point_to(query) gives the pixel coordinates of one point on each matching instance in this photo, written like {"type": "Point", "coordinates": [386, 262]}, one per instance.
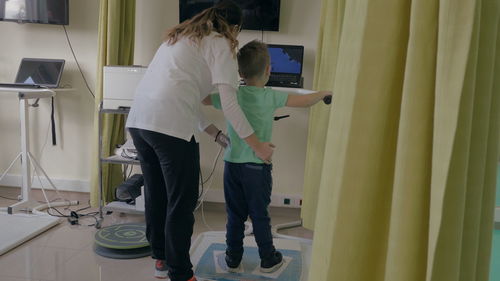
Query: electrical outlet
{"type": "Point", "coordinates": [286, 200]}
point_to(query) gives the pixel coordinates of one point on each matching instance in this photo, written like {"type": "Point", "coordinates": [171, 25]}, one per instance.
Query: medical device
{"type": "Point", "coordinates": [119, 85]}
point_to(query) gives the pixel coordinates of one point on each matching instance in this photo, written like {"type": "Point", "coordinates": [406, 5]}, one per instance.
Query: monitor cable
{"type": "Point", "coordinates": [76, 60]}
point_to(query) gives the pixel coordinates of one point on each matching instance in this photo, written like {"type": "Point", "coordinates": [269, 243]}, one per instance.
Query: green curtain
{"type": "Point", "coordinates": [328, 46]}
{"type": "Point", "coordinates": [116, 47]}
{"type": "Point", "coordinates": [400, 173]}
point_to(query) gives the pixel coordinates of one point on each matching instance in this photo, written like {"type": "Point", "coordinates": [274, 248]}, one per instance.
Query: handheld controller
{"type": "Point", "coordinates": [222, 139]}
{"type": "Point", "coordinates": [327, 99]}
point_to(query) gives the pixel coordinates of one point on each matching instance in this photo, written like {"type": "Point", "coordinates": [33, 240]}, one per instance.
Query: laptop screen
{"type": "Point", "coordinates": [43, 72]}
{"type": "Point", "coordinates": [286, 59]}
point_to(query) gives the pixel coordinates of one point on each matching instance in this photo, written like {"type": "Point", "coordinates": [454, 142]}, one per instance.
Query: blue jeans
{"type": "Point", "coordinates": [247, 190]}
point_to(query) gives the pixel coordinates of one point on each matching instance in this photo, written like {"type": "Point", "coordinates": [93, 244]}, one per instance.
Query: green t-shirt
{"type": "Point", "coordinates": [258, 105]}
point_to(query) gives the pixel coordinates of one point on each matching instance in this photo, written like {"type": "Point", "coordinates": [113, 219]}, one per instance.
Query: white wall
{"type": "Point", "coordinates": [69, 162]}
{"type": "Point", "coordinates": [299, 25]}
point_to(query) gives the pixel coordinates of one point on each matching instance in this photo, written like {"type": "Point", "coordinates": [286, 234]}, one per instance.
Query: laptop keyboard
{"type": "Point", "coordinates": [24, 86]}
{"type": "Point", "coordinates": [283, 80]}
{"type": "Point", "coordinates": [283, 77]}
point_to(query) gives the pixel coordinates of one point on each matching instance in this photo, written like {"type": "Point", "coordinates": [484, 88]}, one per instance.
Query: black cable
{"type": "Point", "coordinates": [61, 215]}
{"type": "Point", "coordinates": [76, 60]}
{"type": "Point", "coordinates": [89, 214]}
{"type": "Point", "coordinates": [213, 169]}
{"type": "Point", "coordinates": [84, 208]}
{"type": "Point", "coordinates": [74, 216]}
{"type": "Point", "coordinates": [201, 182]}
{"type": "Point", "coordinates": [262, 35]}
{"type": "Point", "coordinates": [96, 220]}
{"type": "Point", "coordinates": [53, 123]}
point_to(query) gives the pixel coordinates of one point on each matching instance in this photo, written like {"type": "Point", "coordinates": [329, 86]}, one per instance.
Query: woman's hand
{"type": "Point", "coordinates": [264, 151]}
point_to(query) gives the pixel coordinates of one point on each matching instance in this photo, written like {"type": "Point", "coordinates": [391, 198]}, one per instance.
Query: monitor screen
{"type": "Point", "coordinates": [286, 59]}
{"type": "Point", "coordinates": [35, 11]}
{"type": "Point", "coordinates": [257, 14]}
{"type": "Point", "coordinates": [44, 72]}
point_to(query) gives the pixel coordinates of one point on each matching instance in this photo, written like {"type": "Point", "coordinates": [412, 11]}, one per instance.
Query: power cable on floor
{"type": "Point", "coordinates": [75, 216]}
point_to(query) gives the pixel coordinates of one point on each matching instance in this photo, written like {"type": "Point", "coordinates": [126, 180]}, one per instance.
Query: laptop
{"type": "Point", "coordinates": [286, 65]}
{"type": "Point", "coordinates": [36, 73]}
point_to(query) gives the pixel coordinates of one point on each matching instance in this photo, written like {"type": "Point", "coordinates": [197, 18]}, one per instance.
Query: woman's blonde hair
{"type": "Point", "coordinates": [221, 18]}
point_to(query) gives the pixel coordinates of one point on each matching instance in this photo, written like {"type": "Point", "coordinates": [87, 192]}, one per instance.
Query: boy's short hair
{"type": "Point", "coordinates": [253, 59]}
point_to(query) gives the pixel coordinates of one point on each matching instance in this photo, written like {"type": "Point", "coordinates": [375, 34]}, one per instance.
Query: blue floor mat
{"type": "Point", "coordinates": [213, 258]}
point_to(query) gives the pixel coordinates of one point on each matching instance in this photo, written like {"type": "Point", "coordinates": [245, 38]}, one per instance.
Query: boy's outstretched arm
{"type": "Point", "coordinates": [306, 100]}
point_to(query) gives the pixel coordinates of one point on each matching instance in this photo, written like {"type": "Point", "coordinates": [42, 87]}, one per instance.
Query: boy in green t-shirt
{"type": "Point", "coordinates": [247, 179]}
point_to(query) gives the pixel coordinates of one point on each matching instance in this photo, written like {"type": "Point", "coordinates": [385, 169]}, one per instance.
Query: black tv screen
{"type": "Point", "coordinates": [257, 14]}
{"type": "Point", "coordinates": [35, 11]}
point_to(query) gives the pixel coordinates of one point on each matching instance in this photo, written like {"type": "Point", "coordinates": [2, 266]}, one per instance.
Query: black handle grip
{"type": "Point", "coordinates": [327, 99]}
{"type": "Point", "coordinates": [276, 118]}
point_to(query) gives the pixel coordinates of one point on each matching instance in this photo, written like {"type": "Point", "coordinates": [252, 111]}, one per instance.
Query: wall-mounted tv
{"type": "Point", "coordinates": [257, 14]}
{"type": "Point", "coordinates": [35, 11]}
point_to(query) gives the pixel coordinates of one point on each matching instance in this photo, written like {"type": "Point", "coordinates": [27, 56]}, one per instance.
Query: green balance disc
{"type": "Point", "coordinates": [122, 241]}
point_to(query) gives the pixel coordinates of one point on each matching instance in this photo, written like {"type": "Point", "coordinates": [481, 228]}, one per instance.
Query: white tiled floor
{"type": "Point", "coordinates": [65, 252]}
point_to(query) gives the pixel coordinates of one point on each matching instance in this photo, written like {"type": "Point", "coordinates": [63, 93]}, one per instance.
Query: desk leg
{"type": "Point", "coordinates": [25, 146]}
{"type": "Point", "coordinates": [25, 161]}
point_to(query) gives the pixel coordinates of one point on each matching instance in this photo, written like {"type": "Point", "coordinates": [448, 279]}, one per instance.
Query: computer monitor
{"type": "Point", "coordinates": [286, 65]}
{"type": "Point", "coordinates": [43, 72]}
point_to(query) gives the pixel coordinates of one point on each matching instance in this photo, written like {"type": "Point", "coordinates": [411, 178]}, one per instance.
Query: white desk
{"type": "Point", "coordinates": [298, 91]}
{"type": "Point", "coordinates": [25, 155]}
